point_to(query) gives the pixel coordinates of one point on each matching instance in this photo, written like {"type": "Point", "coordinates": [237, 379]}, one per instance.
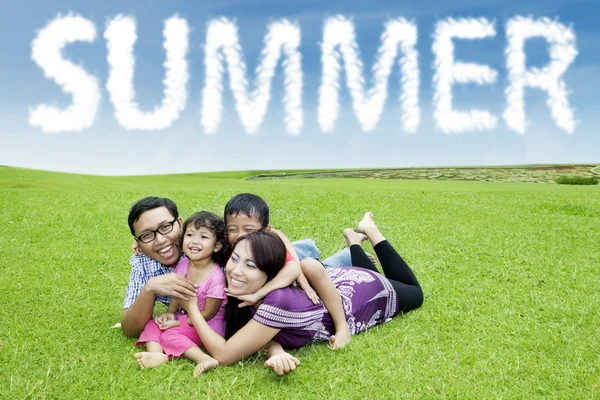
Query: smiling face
{"type": "Point", "coordinates": [240, 225]}
{"type": "Point", "coordinates": [164, 248]}
{"type": "Point", "coordinates": [243, 275]}
{"type": "Point", "coordinates": [199, 243]}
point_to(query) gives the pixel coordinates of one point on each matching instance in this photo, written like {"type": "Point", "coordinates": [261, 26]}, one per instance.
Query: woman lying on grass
{"type": "Point", "coordinates": [286, 318]}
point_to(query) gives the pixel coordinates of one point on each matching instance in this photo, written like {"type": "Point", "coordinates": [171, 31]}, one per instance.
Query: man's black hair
{"type": "Point", "coordinates": [150, 203]}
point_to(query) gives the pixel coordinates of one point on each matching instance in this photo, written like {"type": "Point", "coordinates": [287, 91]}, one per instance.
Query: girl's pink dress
{"type": "Point", "coordinates": [176, 341]}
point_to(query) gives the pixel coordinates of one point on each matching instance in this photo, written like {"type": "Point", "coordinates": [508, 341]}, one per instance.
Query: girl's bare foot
{"type": "Point", "coordinates": [368, 227]}
{"type": "Point", "coordinates": [366, 224]}
{"type": "Point", "coordinates": [150, 360]}
{"type": "Point", "coordinates": [205, 365]}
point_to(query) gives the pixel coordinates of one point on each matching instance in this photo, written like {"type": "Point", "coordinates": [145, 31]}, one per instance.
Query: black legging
{"type": "Point", "coordinates": [395, 269]}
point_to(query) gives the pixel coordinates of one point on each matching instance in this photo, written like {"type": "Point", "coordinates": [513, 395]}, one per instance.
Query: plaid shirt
{"type": "Point", "coordinates": [142, 269]}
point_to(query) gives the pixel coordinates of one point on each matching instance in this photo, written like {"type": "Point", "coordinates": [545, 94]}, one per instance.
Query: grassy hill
{"type": "Point", "coordinates": [509, 271]}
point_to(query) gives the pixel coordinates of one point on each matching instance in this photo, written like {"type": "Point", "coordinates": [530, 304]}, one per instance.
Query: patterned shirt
{"type": "Point", "coordinates": [367, 297]}
{"type": "Point", "coordinates": [142, 269]}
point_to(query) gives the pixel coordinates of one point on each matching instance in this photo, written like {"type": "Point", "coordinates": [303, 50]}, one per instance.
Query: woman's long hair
{"type": "Point", "coordinates": [269, 254]}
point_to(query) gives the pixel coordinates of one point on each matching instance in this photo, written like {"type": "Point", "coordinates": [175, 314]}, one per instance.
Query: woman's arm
{"type": "Point", "coordinates": [278, 360]}
{"type": "Point", "coordinates": [247, 341]}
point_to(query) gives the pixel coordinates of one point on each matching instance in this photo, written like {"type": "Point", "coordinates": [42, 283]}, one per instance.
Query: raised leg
{"type": "Point", "coordinates": [405, 283]}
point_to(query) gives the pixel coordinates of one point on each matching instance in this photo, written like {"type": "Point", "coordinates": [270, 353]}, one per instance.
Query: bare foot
{"type": "Point", "coordinates": [366, 224]}
{"type": "Point", "coordinates": [205, 365]}
{"type": "Point", "coordinates": [353, 237]}
{"type": "Point", "coordinates": [341, 338]}
{"type": "Point", "coordinates": [368, 227]}
{"type": "Point", "coordinates": [150, 360]}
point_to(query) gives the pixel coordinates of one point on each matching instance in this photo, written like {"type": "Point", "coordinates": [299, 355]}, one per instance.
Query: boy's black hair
{"type": "Point", "coordinates": [150, 203]}
{"type": "Point", "coordinates": [248, 204]}
{"type": "Point", "coordinates": [217, 227]}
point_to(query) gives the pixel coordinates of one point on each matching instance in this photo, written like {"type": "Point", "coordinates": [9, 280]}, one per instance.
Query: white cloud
{"type": "Point", "coordinates": [448, 72]}
{"type": "Point", "coordinates": [121, 36]}
{"type": "Point", "coordinates": [339, 40]}
{"type": "Point", "coordinates": [223, 45]}
{"type": "Point", "coordinates": [561, 41]}
{"type": "Point", "coordinates": [46, 52]}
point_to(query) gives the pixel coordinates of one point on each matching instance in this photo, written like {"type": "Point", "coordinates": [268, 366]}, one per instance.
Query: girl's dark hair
{"type": "Point", "coordinates": [269, 254]}
{"type": "Point", "coordinates": [216, 226]}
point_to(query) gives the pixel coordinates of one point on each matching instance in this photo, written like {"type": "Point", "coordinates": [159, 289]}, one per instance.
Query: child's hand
{"type": "Point", "coordinates": [310, 292]}
{"type": "Point", "coordinates": [172, 323]}
{"type": "Point", "coordinates": [162, 319]}
{"type": "Point", "coordinates": [136, 248]}
{"type": "Point", "coordinates": [246, 299]}
{"type": "Point", "coordinates": [282, 363]}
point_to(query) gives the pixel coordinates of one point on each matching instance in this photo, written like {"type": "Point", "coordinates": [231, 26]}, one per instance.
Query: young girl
{"type": "Point", "coordinates": [169, 335]}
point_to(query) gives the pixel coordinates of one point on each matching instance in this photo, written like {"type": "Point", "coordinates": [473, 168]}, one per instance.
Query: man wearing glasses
{"type": "Point", "coordinates": [156, 226]}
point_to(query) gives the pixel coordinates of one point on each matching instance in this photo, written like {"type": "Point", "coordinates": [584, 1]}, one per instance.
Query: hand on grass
{"type": "Point", "coordinates": [282, 363]}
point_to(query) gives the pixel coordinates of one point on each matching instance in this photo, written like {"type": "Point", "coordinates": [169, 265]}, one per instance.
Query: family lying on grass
{"type": "Point", "coordinates": [231, 292]}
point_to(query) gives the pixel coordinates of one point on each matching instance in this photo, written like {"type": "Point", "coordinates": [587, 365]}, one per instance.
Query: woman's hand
{"type": "Point", "coordinates": [246, 299]}
{"type": "Point", "coordinates": [190, 305]}
{"type": "Point", "coordinates": [282, 363]}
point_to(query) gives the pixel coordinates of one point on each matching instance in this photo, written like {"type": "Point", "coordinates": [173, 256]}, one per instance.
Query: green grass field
{"type": "Point", "coordinates": [510, 273]}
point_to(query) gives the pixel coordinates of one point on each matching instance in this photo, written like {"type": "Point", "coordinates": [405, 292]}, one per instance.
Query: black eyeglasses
{"type": "Point", "coordinates": [149, 236]}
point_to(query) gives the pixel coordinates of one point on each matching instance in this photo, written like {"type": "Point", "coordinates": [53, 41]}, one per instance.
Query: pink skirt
{"type": "Point", "coordinates": [176, 341]}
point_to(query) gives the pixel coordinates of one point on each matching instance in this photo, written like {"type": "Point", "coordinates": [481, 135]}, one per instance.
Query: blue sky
{"type": "Point", "coordinates": [106, 148]}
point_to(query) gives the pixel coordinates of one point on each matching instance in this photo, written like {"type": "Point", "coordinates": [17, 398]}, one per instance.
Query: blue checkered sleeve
{"type": "Point", "coordinates": [143, 268]}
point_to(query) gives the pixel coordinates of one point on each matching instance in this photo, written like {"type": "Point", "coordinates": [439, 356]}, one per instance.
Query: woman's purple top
{"type": "Point", "coordinates": [367, 298]}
